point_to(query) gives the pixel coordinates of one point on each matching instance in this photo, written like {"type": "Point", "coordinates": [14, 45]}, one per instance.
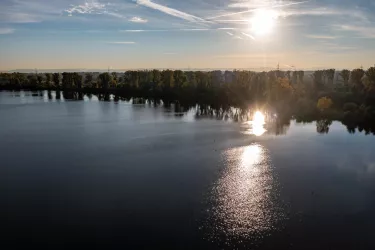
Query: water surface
{"type": "Point", "coordinates": [118, 175]}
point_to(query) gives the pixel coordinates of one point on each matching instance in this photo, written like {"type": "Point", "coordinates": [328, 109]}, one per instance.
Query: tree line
{"type": "Point", "coordinates": [351, 96]}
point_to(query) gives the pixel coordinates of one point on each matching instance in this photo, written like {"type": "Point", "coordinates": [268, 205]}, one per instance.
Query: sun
{"type": "Point", "coordinates": [263, 21]}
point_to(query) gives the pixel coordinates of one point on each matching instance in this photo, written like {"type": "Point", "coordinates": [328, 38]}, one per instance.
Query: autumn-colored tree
{"type": "Point", "coordinates": [324, 103]}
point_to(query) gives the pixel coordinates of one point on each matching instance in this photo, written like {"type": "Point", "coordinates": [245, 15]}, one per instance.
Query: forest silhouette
{"type": "Point", "coordinates": [346, 96]}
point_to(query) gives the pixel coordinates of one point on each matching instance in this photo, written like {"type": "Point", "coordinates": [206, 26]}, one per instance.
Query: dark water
{"type": "Point", "coordinates": [114, 175]}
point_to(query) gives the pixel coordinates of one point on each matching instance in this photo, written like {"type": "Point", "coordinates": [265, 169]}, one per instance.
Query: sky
{"type": "Point", "coordinates": [196, 34]}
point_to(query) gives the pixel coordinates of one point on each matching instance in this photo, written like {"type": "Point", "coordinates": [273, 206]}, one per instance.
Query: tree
{"type": "Point", "coordinates": [324, 103]}
{"type": "Point", "coordinates": [88, 80]}
{"type": "Point", "coordinates": [48, 79]}
{"type": "Point", "coordinates": [105, 79]}
{"type": "Point", "coordinates": [370, 73]}
{"type": "Point", "coordinates": [167, 79]}
{"type": "Point", "coordinates": [345, 75]}
{"type": "Point", "coordinates": [114, 80]}
{"type": "Point", "coordinates": [356, 77]}
{"type": "Point", "coordinates": [301, 75]}
{"type": "Point", "coordinates": [317, 79]}
{"type": "Point", "coordinates": [330, 75]}
{"type": "Point", "coordinates": [77, 80]}
{"type": "Point", "coordinates": [67, 80]}
{"type": "Point", "coordinates": [39, 80]}
{"type": "Point", "coordinates": [56, 79]}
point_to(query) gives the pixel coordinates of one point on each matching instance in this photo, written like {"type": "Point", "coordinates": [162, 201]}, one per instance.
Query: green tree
{"type": "Point", "coordinates": [345, 75]}
{"type": "Point", "coordinates": [56, 79]}
{"type": "Point", "coordinates": [356, 77]}
{"type": "Point", "coordinates": [105, 79]}
{"type": "Point", "coordinates": [89, 80]}
{"type": "Point", "coordinates": [48, 79]}
{"type": "Point", "coordinates": [39, 78]}
{"type": "Point", "coordinates": [77, 80]}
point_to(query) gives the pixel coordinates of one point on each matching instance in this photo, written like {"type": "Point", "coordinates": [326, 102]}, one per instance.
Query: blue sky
{"type": "Point", "coordinates": [125, 34]}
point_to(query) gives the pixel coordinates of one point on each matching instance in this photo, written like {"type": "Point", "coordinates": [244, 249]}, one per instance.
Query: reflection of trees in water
{"type": "Point", "coordinates": [322, 126]}
{"type": "Point", "coordinates": [279, 126]}
{"type": "Point", "coordinates": [49, 94]}
{"type": "Point", "coordinates": [72, 95]}
{"type": "Point", "coordinates": [362, 127]}
{"type": "Point", "coordinates": [274, 125]}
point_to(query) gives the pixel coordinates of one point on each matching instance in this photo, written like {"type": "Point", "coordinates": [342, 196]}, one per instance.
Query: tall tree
{"type": "Point", "coordinates": [56, 79]}
{"type": "Point", "coordinates": [77, 80]}
{"type": "Point", "coordinates": [48, 79]}
{"type": "Point", "coordinates": [105, 79]}
{"type": "Point", "coordinates": [356, 77]}
{"type": "Point", "coordinates": [345, 75]}
{"type": "Point", "coordinates": [88, 80]}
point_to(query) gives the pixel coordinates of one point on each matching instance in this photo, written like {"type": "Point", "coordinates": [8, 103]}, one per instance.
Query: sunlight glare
{"type": "Point", "coordinates": [258, 124]}
{"type": "Point", "coordinates": [263, 21]}
{"type": "Point", "coordinates": [258, 118]}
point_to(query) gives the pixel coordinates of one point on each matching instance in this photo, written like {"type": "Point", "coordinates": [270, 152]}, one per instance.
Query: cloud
{"type": "Point", "coordinates": [4, 31]}
{"type": "Point", "coordinates": [262, 4]}
{"type": "Point", "coordinates": [93, 8]}
{"type": "Point", "coordinates": [19, 18]}
{"type": "Point", "coordinates": [169, 30]}
{"type": "Point", "coordinates": [227, 28]}
{"type": "Point", "coordinates": [138, 20]}
{"type": "Point", "coordinates": [249, 36]}
{"type": "Point", "coordinates": [170, 11]}
{"type": "Point", "coordinates": [126, 42]}
{"type": "Point", "coordinates": [256, 9]}
{"type": "Point", "coordinates": [321, 37]}
{"type": "Point", "coordinates": [87, 8]}
{"type": "Point", "coordinates": [231, 34]}
{"type": "Point", "coordinates": [362, 31]}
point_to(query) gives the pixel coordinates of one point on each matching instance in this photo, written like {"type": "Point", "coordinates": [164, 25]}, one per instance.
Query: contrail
{"type": "Point", "coordinates": [170, 11]}
{"type": "Point", "coordinates": [249, 11]}
{"type": "Point", "coordinates": [250, 36]}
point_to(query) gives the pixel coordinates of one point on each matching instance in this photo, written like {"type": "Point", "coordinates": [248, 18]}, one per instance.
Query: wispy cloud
{"type": "Point", "coordinates": [321, 37]}
{"type": "Point", "coordinates": [4, 31]}
{"type": "Point", "coordinates": [19, 18]}
{"type": "Point", "coordinates": [94, 7]}
{"type": "Point", "coordinates": [254, 9]}
{"type": "Point", "coordinates": [125, 42]}
{"type": "Point", "coordinates": [262, 4]}
{"type": "Point", "coordinates": [361, 31]}
{"type": "Point", "coordinates": [87, 8]}
{"type": "Point", "coordinates": [231, 34]}
{"type": "Point", "coordinates": [248, 35]}
{"type": "Point", "coordinates": [138, 20]}
{"type": "Point", "coordinates": [170, 11]}
{"type": "Point", "coordinates": [169, 30]}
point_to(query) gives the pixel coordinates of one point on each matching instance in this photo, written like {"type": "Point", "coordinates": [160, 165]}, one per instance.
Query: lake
{"type": "Point", "coordinates": [118, 175]}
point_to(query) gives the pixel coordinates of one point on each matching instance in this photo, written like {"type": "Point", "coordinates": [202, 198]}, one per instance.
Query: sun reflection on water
{"type": "Point", "coordinates": [244, 196]}
{"type": "Point", "coordinates": [256, 125]}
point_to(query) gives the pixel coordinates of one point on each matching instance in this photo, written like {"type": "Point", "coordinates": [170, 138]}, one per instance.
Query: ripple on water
{"type": "Point", "coordinates": [244, 201]}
